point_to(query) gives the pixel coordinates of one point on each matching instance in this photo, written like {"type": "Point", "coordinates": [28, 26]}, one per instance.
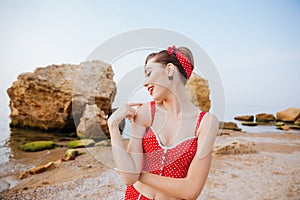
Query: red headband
{"type": "Point", "coordinates": [184, 61]}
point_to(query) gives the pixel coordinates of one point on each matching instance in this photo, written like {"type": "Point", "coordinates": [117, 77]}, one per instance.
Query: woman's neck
{"type": "Point", "coordinates": [177, 102]}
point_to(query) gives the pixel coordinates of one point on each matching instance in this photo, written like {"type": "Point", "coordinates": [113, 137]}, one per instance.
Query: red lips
{"type": "Point", "coordinates": [150, 89]}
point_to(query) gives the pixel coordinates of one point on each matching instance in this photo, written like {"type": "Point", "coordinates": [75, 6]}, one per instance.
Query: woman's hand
{"type": "Point", "coordinates": [125, 111]}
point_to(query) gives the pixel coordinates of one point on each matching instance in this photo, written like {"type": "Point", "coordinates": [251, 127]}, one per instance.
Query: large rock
{"type": "Point", "coordinates": [198, 91]}
{"type": "Point", "coordinates": [264, 117]}
{"type": "Point", "coordinates": [53, 98]}
{"type": "Point", "coordinates": [93, 124]}
{"type": "Point", "coordinates": [288, 115]}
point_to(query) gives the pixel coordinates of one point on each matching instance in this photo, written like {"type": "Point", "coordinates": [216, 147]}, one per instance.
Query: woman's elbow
{"type": "Point", "coordinates": [129, 179]}
{"type": "Point", "coordinates": [191, 193]}
{"type": "Point", "coordinates": [128, 182]}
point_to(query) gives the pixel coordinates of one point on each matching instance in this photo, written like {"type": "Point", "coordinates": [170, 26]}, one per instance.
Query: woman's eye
{"type": "Point", "coordinates": [148, 73]}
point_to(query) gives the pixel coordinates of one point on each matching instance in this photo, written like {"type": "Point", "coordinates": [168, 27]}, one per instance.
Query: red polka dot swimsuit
{"type": "Point", "coordinates": [162, 160]}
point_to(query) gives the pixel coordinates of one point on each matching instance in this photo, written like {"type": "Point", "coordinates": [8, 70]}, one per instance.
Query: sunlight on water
{"type": "Point", "coordinates": [4, 149]}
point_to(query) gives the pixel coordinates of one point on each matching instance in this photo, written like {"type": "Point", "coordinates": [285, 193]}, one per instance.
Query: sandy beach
{"type": "Point", "coordinates": [273, 172]}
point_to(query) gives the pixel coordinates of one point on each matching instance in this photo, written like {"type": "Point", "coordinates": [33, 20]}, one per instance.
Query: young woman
{"type": "Point", "coordinates": [170, 150]}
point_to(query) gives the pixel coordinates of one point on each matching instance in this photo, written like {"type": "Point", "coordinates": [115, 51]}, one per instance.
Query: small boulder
{"type": "Point", "coordinates": [249, 123]}
{"type": "Point", "coordinates": [279, 123]}
{"type": "Point", "coordinates": [229, 125]}
{"type": "Point", "coordinates": [72, 153]}
{"type": "Point", "coordinates": [263, 117]}
{"type": "Point", "coordinates": [37, 170]}
{"type": "Point", "coordinates": [42, 168]}
{"type": "Point", "coordinates": [284, 127]}
{"type": "Point", "coordinates": [247, 118]}
{"type": "Point", "coordinates": [297, 122]}
{"type": "Point", "coordinates": [38, 146]}
{"type": "Point", "coordinates": [295, 126]}
{"type": "Point", "coordinates": [103, 143]}
{"type": "Point", "coordinates": [81, 143]}
{"type": "Point", "coordinates": [288, 115]}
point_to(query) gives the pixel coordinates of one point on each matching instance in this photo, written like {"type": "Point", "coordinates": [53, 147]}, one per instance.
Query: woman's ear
{"type": "Point", "coordinates": [171, 69]}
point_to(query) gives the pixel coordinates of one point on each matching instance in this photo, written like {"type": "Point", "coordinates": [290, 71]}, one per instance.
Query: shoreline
{"type": "Point", "coordinates": [271, 173]}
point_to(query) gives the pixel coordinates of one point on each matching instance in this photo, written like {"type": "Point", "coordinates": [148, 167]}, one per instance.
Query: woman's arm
{"type": "Point", "coordinates": [191, 186]}
{"type": "Point", "coordinates": [128, 162]}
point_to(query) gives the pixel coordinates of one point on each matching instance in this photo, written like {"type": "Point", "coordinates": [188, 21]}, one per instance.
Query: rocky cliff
{"type": "Point", "coordinates": [53, 98]}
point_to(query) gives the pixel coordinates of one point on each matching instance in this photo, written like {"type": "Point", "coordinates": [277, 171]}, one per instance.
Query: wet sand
{"type": "Point", "coordinates": [271, 173]}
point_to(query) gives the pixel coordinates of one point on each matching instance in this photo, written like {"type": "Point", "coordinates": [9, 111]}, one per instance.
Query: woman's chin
{"type": "Point", "coordinates": [155, 97]}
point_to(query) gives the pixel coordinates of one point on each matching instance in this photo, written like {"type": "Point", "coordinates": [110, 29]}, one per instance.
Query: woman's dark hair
{"type": "Point", "coordinates": [164, 58]}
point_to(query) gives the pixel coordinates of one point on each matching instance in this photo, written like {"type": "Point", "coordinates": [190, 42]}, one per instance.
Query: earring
{"type": "Point", "coordinates": [170, 77]}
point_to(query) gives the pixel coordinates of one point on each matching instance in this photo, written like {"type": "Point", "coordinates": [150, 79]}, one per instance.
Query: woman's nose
{"type": "Point", "coordinates": [146, 81]}
{"type": "Point", "coordinates": [146, 84]}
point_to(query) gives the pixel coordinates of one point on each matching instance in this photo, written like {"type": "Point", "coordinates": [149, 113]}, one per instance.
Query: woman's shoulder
{"type": "Point", "coordinates": [207, 116]}
{"type": "Point", "coordinates": [207, 134]}
{"type": "Point", "coordinates": [209, 123]}
{"type": "Point", "coordinates": [206, 122]}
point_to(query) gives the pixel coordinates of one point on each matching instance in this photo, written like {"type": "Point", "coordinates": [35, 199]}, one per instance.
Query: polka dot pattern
{"type": "Point", "coordinates": [184, 61]}
{"type": "Point", "coordinates": [167, 161]}
{"type": "Point", "coordinates": [132, 194]}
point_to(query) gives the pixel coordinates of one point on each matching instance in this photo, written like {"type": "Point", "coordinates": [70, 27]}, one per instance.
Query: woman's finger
{"type": "Point", "coordinates": [131, 112]}
{"type": "Point", "coordinates": [134, 104]}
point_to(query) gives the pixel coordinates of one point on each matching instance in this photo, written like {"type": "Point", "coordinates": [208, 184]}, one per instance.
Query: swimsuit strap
{"type": "Point", "coordinates": [201, 115]}
{"type": "Point", "coordinates": [153, 109]}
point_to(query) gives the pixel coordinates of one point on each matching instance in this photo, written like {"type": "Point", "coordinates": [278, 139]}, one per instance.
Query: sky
{"type": "Point", "coordinates": [255, 45]}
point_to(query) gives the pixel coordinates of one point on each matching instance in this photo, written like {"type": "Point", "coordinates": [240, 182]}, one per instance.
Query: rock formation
{"type": "Point", "coordinates": [229, 125]}
{"type": "Point", "coordinates": [198, 91]}
{"type": "Point", "coordinates": [249, 123]}
{"type": "Point", "coordinates": [247, 118]}
{"type": "Point", "coordinates": [264, 117]}
{"type": "Point", "coordinates": [81, 143]}
{"type": "Point", "coordinates": [53, 98]}
{"type": "Point", "coordinates": [288, 115]}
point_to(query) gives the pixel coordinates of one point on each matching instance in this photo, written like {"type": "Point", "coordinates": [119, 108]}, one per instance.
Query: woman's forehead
{"type": "Point", "coordinates": [152, 63]}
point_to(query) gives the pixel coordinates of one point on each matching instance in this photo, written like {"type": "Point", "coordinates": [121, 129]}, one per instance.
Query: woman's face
{"type": "Point", "coordinates": [156, 79]}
